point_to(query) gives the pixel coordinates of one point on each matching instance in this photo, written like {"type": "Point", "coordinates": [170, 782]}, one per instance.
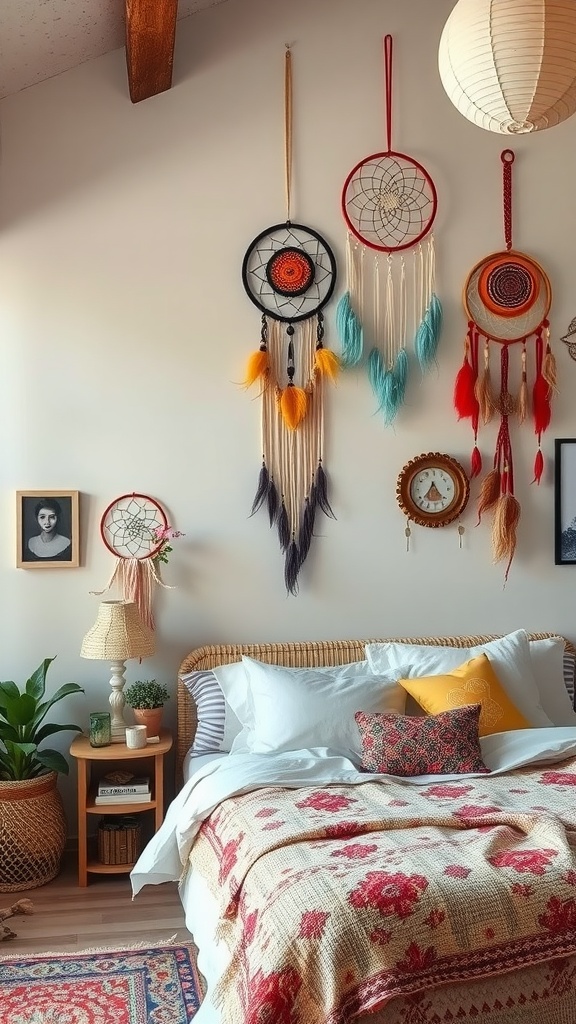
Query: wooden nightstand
{"type": "Point", "coordinates": [93, 762]}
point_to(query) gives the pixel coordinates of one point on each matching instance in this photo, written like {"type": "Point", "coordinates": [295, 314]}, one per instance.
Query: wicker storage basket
{"type": "Point", "coordinates": [32, 832]}
{"type": "Point", "coordinates": [119, 840]}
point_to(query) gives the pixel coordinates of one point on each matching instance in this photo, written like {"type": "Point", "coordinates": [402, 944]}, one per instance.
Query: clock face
{"type": "Point", "coordinates": [433, 489]}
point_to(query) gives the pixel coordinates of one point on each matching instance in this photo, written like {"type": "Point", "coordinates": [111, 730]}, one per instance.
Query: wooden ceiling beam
{"type": "Point", "coordinates": [150, 35]}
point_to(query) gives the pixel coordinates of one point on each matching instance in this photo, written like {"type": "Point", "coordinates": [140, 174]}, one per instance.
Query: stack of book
{"type": "Point", "coordinates": [135, 791]}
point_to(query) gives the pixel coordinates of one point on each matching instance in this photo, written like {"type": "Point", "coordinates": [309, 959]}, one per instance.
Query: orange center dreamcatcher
{"type": "Point", "coordinates": [507, 298]}
{"type": "Point", "coordinates": [289, 273]}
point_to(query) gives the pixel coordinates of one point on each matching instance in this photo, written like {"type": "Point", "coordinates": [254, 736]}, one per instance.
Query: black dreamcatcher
{"type": "Point", "coordinates": [289, 273]}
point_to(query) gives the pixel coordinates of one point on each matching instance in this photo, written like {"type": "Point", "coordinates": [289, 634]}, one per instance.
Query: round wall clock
{"type": "Point", "coordinates": [432, 489]}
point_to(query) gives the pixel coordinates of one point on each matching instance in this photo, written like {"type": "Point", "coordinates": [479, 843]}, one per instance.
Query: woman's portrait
{"type": "Point", "coordinates": [47, 529]}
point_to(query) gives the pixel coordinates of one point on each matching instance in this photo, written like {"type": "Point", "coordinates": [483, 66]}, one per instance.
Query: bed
{"type": "Point", "coordinates": [322, 891]}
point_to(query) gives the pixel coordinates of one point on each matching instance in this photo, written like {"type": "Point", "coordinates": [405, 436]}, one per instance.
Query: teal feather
{"type": "Point", "coordinates": [350, 332]}
{"type": "Point", "coordinates": [428, 334]}
{"type": "Point", "coordinates": [389, 386]}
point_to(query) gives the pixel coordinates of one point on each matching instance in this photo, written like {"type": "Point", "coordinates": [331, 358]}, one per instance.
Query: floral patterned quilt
{"type": "Point", "coordinates": [334, 900]}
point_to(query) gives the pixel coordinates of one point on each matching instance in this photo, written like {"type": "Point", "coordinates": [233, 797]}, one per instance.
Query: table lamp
{"type": "Point", "coordinates": [118, 634]}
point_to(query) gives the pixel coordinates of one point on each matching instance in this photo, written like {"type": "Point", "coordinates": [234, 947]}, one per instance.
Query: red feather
{"type": "Point", "coordinates": [475, 462]}
{"type": "Point", "coordinates": [541, 404]}
{"type": "Point", "coordinates": [465, 401]}
{"type": "Point", "coordinates": [538, 467]}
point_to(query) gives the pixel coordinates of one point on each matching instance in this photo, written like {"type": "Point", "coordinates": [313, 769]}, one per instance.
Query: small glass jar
{"type": "Point", "coordinates": [100, 729]}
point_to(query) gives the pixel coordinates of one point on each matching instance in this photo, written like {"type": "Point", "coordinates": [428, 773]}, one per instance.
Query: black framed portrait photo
{"type": "Point", "coordinates": [565, 501]}
{"type": "Point", "coordinates": [47, 530]}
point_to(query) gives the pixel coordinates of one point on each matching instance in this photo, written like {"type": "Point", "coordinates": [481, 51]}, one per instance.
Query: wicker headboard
{"type": "Point", "coordinates": [295, 655]}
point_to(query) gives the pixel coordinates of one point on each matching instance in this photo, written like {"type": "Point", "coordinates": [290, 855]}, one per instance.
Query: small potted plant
{"type": "Point", "coordinates": [146, 697]}
{"type": "Point", "coordinates": [33, 831]}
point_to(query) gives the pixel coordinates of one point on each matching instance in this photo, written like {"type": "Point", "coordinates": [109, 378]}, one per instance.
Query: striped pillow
{"type": "Point", "coordinates": [217, 725]}
{"type": "Point", "coordinates": [569, 673]}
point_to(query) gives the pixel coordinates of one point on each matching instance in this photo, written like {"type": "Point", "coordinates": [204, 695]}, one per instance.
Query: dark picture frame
{"type": "Point", "coordinates": [565, 501]}
{"type": "Point", "coordinates": [54, 545]}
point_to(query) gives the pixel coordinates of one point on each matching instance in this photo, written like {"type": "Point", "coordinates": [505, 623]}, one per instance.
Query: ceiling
{"type": "Point", "coordinates": [43, 38]}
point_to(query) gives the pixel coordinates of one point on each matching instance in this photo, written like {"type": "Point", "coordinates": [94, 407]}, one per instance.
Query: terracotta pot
{"type": "Point", "coordinates": [151, 718]}
{"type": "Point", "coordinates": [32, 832]}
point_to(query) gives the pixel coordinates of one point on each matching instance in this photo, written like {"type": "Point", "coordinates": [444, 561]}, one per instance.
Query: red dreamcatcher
{"type": "Point", "coordinates": [389, 203]}
{"type": "Point", "coordinates": [507, 298]}
{"type": "Point", "coordinates": [135, 529]}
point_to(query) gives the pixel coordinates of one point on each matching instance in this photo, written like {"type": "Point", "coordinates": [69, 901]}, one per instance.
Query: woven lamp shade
{"type": "Point", "coordinates": [510, 65]}
{"type": "Point", "coordinates": [118, 634]}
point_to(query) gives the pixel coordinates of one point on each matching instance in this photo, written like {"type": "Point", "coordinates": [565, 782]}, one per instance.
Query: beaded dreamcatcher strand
{"type": "Point", "coordinates": [507, 299]}
{"type": "Point", "coordinates": [289, 273]}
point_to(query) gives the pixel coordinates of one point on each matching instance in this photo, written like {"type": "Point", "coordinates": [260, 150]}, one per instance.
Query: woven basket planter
{"type": "Point", "coordinates": [32, 832]}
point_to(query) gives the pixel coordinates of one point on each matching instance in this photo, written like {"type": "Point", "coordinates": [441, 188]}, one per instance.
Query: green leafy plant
{"type": "Point", "coordinates": [146, 693]}
{"type": "Point", "coordinates": [22, 713]}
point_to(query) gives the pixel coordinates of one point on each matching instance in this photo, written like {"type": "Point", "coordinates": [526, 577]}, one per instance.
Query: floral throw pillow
{"type": "Point", "coordinates": [443, 744]}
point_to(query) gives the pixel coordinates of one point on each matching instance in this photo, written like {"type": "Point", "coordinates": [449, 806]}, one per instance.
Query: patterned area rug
{"type": "Point", "coordinates": [155, 985]}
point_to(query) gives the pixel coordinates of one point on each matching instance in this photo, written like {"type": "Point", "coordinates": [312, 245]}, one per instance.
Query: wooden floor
{"type": "Point", "coordinates": [103, 914]}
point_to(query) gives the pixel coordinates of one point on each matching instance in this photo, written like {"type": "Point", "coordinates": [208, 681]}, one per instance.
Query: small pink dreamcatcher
{"type": "Point", "coordinates": [135, 529]}
{"type": "Point", "coordinates": [389, 203]}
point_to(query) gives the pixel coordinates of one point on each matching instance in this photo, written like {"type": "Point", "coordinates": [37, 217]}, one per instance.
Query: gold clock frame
{"type": "Point", "coordinates": [449, 465]}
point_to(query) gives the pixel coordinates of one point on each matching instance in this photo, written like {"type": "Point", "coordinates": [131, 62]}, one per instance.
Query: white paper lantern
{"type": "Point", "coordinates": [510, 65]}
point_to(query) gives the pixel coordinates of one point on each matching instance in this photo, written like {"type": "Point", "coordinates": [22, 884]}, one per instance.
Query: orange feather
{"type": "Point", "coordinates": [293, 405]}
{"type": "Point", "coordinates": [327, 363]}
{"type": "Point", "coordinates": [258, 366]}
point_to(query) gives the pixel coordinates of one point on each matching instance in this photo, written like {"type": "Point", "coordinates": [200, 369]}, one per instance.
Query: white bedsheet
{"type": "Point", "coordinates": [165, 856]}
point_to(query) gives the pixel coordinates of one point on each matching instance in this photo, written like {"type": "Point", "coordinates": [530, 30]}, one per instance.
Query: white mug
{"type": "Point", "coordinates": [136, 736]}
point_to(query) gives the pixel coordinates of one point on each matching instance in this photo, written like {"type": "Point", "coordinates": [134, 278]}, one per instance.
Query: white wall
{"type": "Point", "coordinates": [124, 327]}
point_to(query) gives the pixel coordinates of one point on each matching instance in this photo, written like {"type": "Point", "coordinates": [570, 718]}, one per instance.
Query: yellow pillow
{"type": "Point", "coordinates": [474, 682]}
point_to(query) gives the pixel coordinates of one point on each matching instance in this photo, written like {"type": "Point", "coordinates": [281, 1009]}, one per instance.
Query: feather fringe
{"type": "Point", "coordinates": [327, 363]}
{"type": "Point", "coordinates": [261, 490]}
{"type": "Point", "coordinates": [541, 404]}
{"type": "Point", "coordinates": [258, 367]}
{"type": "Point", "coordinates": [523, 400]}
{"type": "Point", "coordinates": [321, 491]}
{"type": "Point", "coordinates": [428, 334]}
{"type": "Point", "coordinates": [272, 502]}
{"type": "Point", "coordinates": [293, 405]}
{"type": "Point", "coordinates": [489, 492]}
{"type": "Point", "coordinates": [484, 395]}
{"type": "Point", "coordinates": [350, 332]}
{"type": "Point", "coordinates": [538, 467]}
{"type": "Point", "coordinates": [284, 534]}
{"type": "Point", "coordinates": [306, 531]}
{"type": "Point", "coordinates": [292, 568]}
{"type": "Point", "coordinates": [475, 462]}
{"type": "Point", "coordinates": [389, 386]}
{"type": "Point", "coordinates": [549, 369]}
{"type": "Point", "coordinates": [504, 526]}
{"type": "Point", "coordinates": [465, 401]}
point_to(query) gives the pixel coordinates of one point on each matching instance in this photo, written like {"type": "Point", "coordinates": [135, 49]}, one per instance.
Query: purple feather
{"type": "Point", "coordinates": [272, 498]}
{"type": "Point", "coordinates": [292, 568]}
{"type": "Point", "coordinates": [321, 484]}
{"type": "Point", "coordinates": [284, 534]}
{"type": "Point", "coordinates": [262, 489]}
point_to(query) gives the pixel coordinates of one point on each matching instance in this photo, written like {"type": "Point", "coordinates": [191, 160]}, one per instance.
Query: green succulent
{"type": "Point", "coordinates": [146, 693]}
{"type": "Point", "coordinates": [22, 713]}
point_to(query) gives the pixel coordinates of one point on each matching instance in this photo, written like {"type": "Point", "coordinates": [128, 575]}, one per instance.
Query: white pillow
{"type": "Point", "coordinates": [295, 708]}
{"type": "Point", "coordinates": [234, 685]}
{"type": "Point", "coordinates": [548, 663]}
{"type": "Point", "coordinates": [509, 657]}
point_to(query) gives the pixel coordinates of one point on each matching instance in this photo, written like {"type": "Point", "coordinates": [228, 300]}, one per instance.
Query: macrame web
{"type": "Point", "coordinates": [507, 298]}
{"type": "Point", "coordinates": [133, 528]}
{"type": "Point", "coordinates": [390, 306]}
{"type": "Point", "coordinates": [289, 273]}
